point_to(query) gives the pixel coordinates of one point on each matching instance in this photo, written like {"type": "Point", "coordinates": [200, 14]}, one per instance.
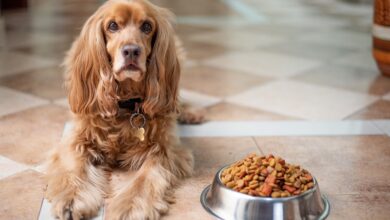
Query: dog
{"type": "Point", "coordinates": [122, 76]}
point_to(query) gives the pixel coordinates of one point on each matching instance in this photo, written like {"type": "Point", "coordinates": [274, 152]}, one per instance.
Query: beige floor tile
{"type": "Point", "coordinates": [13, 101]}
{"type": "Point", "coordinates": [188, 204]}
{"type": "Point", "coordinates": [187, 195]}
{"type": "Point", "coordinates": [342, 165]}
{"type": "Point", "coordinates": [213, 153]}
{"type": "Point", "coordinates": [46, 83]}
{"type": "Point", "coordinates": [13, 63]}
{"type": "Point", "coordinates": [378, 110]}
{"type": "Point", "coordinates": [264, 64]}
{"type": "Point", "coordinates": [239, 40]}
{"type": "Point", "coordinates": [210, 154]}
{"type": "Point", "coordinates": [197, 100]}
{"type": "Point", "coordinates": [303, 100]}
{"type": "Point", "coordinates": [28, 136]}
{"type": "Point", "coordinates": [230, 112]}
{"type": "Point", "coordinates": [218, 82]}
{"type": "Point", "coordinates": [361, 59]}
{"type": "Point", "coordinates": [21, 196]}
{"type": "Point", "coordinates": [9, 167]}
{"type": "Point", "coordinates": [360, 206]}
{"type": "Point", "coordinates": [351, 78]}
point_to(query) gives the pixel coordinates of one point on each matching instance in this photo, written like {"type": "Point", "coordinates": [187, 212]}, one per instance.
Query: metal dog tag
{"type": "Point", "coordinates": [140, 132]}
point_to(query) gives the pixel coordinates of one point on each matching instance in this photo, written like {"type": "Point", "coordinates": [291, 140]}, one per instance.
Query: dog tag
{"type": "Point", "coordinates": [140, 130]}
{"type": "Point", "coordinates": [140, 134]}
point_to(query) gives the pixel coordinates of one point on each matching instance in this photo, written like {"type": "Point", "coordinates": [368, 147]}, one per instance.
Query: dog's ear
{"type": "Point", "coordinates": [163, 70]}
{"type": "Point", "coordinates": [88, 71]}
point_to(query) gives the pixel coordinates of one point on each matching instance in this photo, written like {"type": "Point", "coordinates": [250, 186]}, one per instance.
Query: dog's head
{"type": "Point", "coordinates": [124, 41]}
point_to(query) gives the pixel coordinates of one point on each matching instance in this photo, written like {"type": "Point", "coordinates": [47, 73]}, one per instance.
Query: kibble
{"type": "Point", "coordinates": [266, 176]}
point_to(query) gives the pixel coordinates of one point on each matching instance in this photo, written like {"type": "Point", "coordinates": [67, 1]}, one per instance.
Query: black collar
{"type": "Point", "coordinates": [129, 104]}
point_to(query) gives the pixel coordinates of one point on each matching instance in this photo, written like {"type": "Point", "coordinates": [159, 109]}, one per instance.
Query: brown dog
{"type": "Point", "coordinates": [124, 57]}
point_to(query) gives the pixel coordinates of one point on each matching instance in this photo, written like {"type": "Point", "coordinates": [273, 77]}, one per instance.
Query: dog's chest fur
{"type": "Point", "coordinates": [115, 143]}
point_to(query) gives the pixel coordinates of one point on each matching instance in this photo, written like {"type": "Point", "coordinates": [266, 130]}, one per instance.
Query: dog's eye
{"type": "Point", "coordinates": [146, 27]}
{"type": "Point", "coordinates": [112, 26]}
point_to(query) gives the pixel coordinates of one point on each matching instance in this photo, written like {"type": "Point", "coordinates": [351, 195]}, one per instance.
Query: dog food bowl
{"type": "Point", "coordinates": [224, 203]}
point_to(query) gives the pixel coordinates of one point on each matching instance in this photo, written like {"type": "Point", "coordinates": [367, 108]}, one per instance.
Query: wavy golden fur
{"type": "Point", "coordinates": [102, 138]}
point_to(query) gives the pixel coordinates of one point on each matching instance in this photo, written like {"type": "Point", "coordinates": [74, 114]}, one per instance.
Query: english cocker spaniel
{"type": "Point", "coordinates": [122, 82]}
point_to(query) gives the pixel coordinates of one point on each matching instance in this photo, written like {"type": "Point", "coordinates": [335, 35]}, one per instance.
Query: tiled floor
{"type": "Point", "coordinates": [273, 62]}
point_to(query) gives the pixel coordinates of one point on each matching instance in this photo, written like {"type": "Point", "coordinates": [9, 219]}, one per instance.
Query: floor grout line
{"type": "Point", "coordinates": [377, 122]}
{"type": "Point", "coordinates": [378, 127]}
{"type": "Point", "coordinates": [258, 146]}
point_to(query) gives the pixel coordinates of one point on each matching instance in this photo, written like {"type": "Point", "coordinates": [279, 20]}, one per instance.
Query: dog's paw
{"type": "Point", "coordinates": [192, 116]}
{"type": "Point", "coordinates": [137, 208]}
{"type": "Point", "coordinates": [74, 210]}
{"type": "Point", "coordinates": [64, 210]}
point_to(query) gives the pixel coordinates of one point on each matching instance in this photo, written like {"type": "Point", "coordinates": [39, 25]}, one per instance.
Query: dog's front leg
{"type": "Point", "coordinates": [146, 197]}
{"type": "Point", "coordinates": [76, 188]}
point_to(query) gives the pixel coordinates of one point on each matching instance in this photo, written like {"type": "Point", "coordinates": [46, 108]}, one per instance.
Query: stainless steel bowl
{"type": "Point", "coordinates": [224, 203]}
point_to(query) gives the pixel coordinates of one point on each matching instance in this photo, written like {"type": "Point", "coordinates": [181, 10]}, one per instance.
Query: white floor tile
{"type": "Point", "coordinates": [197, 99]}
{"type": "Point", "coordinates": [353, 9]}
{"type": "Point", "coordinates": [303, 100]}
{"type": "Point", "coordinates": [290, 128]}
{"type": "Point", "coordinates": [239, 40]}
{"type": "Point", "coordinates": [305, 50]}
{"type": "Point", "coordinates": [342, 39]}
{"type": "Point", "coordinates": [12, 101]}
{"type": "Point", "coordinates": [361, 59]}
{"type": "Point", "coordinates": [265, 64]}
{"type": "Point", "coordinates": [9, 167]}
{"type": "Point", "coordinates": [310, 22]}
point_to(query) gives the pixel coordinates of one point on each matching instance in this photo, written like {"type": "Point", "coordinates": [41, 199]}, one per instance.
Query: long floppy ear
{"type": "Point", "coordinates": [163, 71]}
{"type": "Point", "coordinates": [89, 82]}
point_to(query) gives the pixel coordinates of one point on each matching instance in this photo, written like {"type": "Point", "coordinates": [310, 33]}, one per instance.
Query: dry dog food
{"type": "Point", "coordinates": [266, 176]}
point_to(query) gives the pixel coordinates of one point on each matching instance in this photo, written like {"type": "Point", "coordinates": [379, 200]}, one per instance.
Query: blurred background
{"type": "Point", "coordinates": [247, 60]}
{"type": "Point", "coordinates": [274, 53]}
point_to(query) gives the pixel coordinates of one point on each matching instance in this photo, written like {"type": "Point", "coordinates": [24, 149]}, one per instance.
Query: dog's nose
{"type": "Point", "coordinates": [131, 51]}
